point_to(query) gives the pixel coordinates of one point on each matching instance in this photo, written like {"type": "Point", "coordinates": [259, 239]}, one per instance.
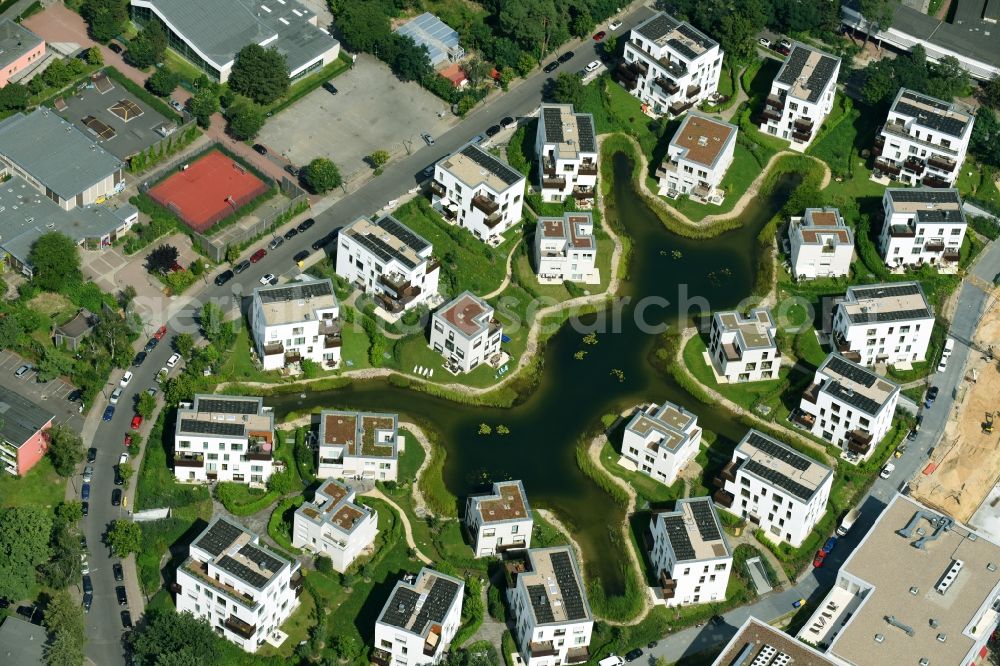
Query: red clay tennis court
{"type": "Point", "coordinates": [208, 190]}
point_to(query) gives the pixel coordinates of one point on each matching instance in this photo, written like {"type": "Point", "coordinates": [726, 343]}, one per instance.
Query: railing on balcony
{"type": "Point", "coordinates": [212, 476]}
{"type": "Point", "coordinates": [692, 91]}
{"type": "Point", "coordinates": [239, 627]}
{"type": "Point", "coordinates": [381, 657]}
{"type": "Point", "coordinates": [951, 254]}
{"type": "Point", "coordinates": [729, 471]}
{"type": "Point", "coordinates": [859, 441]}
{"type": "Point", "coordinates": [583, 193]}
{"type": "Point", "coordinates": [667, 585]}
{"type": "Point", "coordinates": [548, 166]}
{"type": "Point", "coordinates": [723, 498]}
{"type": "Point", "coordinates": [914, 164]}
{"type": "Point", "coordinates": [942, 163]}
{"type": "Point", "coordinates": [485, 204]}
{"type": "Point", "coordinates": [774, 101]}
{"type": "Point", "coordinates": [587, 168]}
{"type": "Point", "coordinates": [934, 246]}
{"type": "Point", "coordinates": [273, 348]}
{"type": "Point", "coordinates": [542, 649]}
{"type": "Point", "coordinates": [902, 231]}
{"type": "Point", "coordinates": [887, 167]}
{"type": "Point", "coordinates": [577, 655]}
{"type": "Point", "coordinates": [557, 183]}
{"type": "Point", "coordinates": [292, 357]}
{"type": "Point", "coordinates": [189, 460]}
{"type": "Point", "coordinates": [804, 124]}
{"type": "Point", "coordinates": [812, 393]}
{"type": "Point", "coordinates": [679, 107]}
{"type": "Point", "coordinates": [258, 453]}
{"type": "Point", "coordinates": [932, 180]}
{"type": "Point", "coordinates": [626, 74]}
{"type": "Point", "coordinates": [666, 85]}
{"type": "Point", "coordinates": [438, 189]}
{"type": "Point", "coordinates": [770, 114]}
{"type": "Point", "coordinates": [803, 137]}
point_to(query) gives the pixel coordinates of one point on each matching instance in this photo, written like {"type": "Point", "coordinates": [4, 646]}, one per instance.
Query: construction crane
{"type": "Point", "coordinates": [988, 424]}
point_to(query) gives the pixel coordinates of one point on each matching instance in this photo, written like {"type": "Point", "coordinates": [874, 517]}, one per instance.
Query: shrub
{"type": "Point", "coordinates": [323, 564]}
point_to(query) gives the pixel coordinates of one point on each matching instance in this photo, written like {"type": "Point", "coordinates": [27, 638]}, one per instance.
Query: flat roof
{"type": "Point", "coordinates": [416, 607]}
{"type": "Point", "coordinates": [334, 506]}
{"type": "Point", "coordinates": [807, 72]}
{"type": "Point", "coordinates": [927, 204]}
{"type": "Point", "coordinates": [931, 112]}
{"type": "Point", "coordinates": [358, 432]}
{"type": "Point", "coordinates": [889, 301]}
{"type": "Point", "coordinates": [754, 330]}
{"type": "Point", "coordinates": [219, 29]}
{"type": "Point", "coordinates": [295, 301]}
{"type": "Point", "coordinates": [15, 42]}
{"type": "Point", "coordinates": [508, 501]}
{"type": "Point", "coordinates": [703, 139]}
{"type": "Point", "coordinates": [21, 642]}
{"type": "Point", "coordinates": [577, 229]}
{"type": "Point", "coordinates": [904, 582]}
{"type": "Point", "coordinates": [822, 226]}
{"type": "Point", "coordinates": [672, 423]}
{"type": "Point", "coordinates": [55, 152]}
{"type": "Point", "coordinates": [781, 466]}
{"type": "Point", "coordinates": [855, 385]}
{"type": "Point", "coordinates": [474, 166]}
{"type": "Point", "coordinates": [388, 239]}
{"type": "Point", "coordinates": [554, 585]}
{"type": "Point", "coordinates": [430, 31]}
{"type": "Point", "coordinates": [571, 133]}
{"type": "Point", "coordinates": [693, 529]}
{"type": "Point", "coordinates": [237, 551]}
{"type": "Point", "coordinates": [467, 313]}
{"type": "Point", "coordinates": [225, 416]}
{"type": "Point", "coordinates": [756, 642]}
{"type": "Point", "coordinates": [20, 418]}
{"type": "Point", "coordinates": [686, 40]}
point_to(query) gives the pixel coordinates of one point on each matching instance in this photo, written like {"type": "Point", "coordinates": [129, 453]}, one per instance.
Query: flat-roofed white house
{"type": "Point", "coordinates": [552, 618]}
{"type": "Point", "coordinates": [670, 65]}
{"type": "Point", "coordinates": [466, 333]}
{"type": "Point", "coordinates": [849, 405]}
{"type": "Point", "coordinates": [690, 555]}
{"type": "Point", "coordinates": [242, 588]}
{"type": "Point", "coordinates": [883, 323]}
{"type": "Point", "coordinates": [801, 96]}
{"type": "Point", "coordinates": [923, 140]}
{"type": "Point", "coordinates": [388, 260]}
{"type": "Point", "coordinates": [822, 245]}
{"type": "Point", "coordinates": [661, 440]}
{"type": "Point", "coordinates": [921, 225]}
{"type": "Point", "coordinates": [419, 621]}
{"type": "Point", "coordinates": [335, 525]}
{"type": "Point", "coordinates": [359, 445]}
{"type": "Point", "coordinates": [566, 147]}
{"type": "Point", "coordinates": [744, 349]}
{"type": "Point", "coordinates": [477, 191]}
{"type": "Point", "coordinates": [296, 321]}
{"type": "Point", "coordinates": [698, 156]}
{"type": "Point", "coordinates": [566, 250]}
{"type": "Point", "coordinates": [776, 487]}
{"type": "Point", "coordinates": [224, 438]}
{"type": "Point", "coordinates": [500, 520]}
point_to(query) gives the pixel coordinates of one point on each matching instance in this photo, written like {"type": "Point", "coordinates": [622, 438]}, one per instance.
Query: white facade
{"type": "Point", "coordinates": [388, 260]}
{"type": "Point", "coordinates": [478, 192]}
{"type": "Point", "coordinates": [244, 590]}
{"type": "Point", "coordinates": [295, 321]}
{"type": "Point", "coordinates": [921, 226]}
{"type": "Point", "coordinates": [549, 608]}
{"type": "Point", "coordinates": [418, 622]}
{"type": "Point", "coordinates": [224, 438]}
{"type": "Point", "coordinates": [661, 440]}
{"type": "Point", "coordinates": [698, 156]}
{"type": "Point", "coordinates": [775, 487]}
{"type": "Point", "coordinates": [565, 249]}
{"type": "Point", "coordinates": [566, 147]}
{"type": "Point", "coordinates": [883, 323]}
{"type": "Point", "coordinates": [801, 96]}
{"type": "Point", "coordinates": [465, 333]}
{"type": "Point", "coordinates": [335, 525]}
{"type": "Point", "coordinates": [924, 140]}
{"type": "Point", "coordinates": [822, 245]}
{"type": "Point", "coordinates": [849, 405]}
{"type": "Point", "coordinates": [743, 349]}
{"type": "Point", "coordinates": [500, 520]}
{"type": "Point", "coordinates": [670, 65]}
{"type": "Point", "coordinates": [690, 555]}
{"type": "Point", "coordinates": [359, 445]}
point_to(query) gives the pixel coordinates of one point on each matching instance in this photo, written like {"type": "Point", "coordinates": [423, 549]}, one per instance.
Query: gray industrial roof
{"type": "Point", "coordinates": [55, 152]}
{"type": "Point", "coordinates": [219, 29]}
{"type": "Point", "coordinates": [21, 642]}
{"type": "Point", "coordinates": [430, 31]}
{"type": "Point", "coordinates": [15, 41]}
{"type": "Point", "coordinates": [20, 418]}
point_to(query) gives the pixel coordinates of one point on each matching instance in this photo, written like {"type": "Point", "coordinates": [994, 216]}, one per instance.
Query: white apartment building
{"type": "Point", "coordinates": [775, 487]}
{"type": "Point", "coordinates": [801, 96]}
{"type": "Point", "coordinates": [244, 590]}
{"type": "Point", "coordinates": [418, 622]}
{"type": "Point", "coordinates": [743, 349]}
{"type": "Point", "coordinates": [224, 438]}
{"type": "Point", "coordinates": [660, 440]}
{"type": "Point", "coordinates": [822, 245]}
{"type": "Point", "coordinates": [698, 156]}
{"type": "Point", "coordinates": [567, 154]}
{"type": "Point", "coordinates": [924, 140]}
{"type": "Point", "coordinates": [465, 332]}
{"type": "Point", "coordinates": [548, 602]}
{"type": "Point", "coordinates": [388, 260]}
{"type": "Point", "coordinates": [335, 525]}
{"type": "Point", "coordinates": [883, 323]}
{"type": "Point", "coordinates": [670, 65]}
{"type": "Point", "coordinates": [922, 225]}
{"type": "Point", "coordinates": [690, 555]}
{"type": "Point", "coordinates": [565, 249]}
{"type": "Point", "coordinates": [849, 405]}
{"type": "Point", "coordinates": [920, 588]}
{"type": "Point", "coordinates": [296, 321]}
{"type": "Point", "coordinates": [478, 192]}
{"type": "Point", "coordinates": [359, 445]}
{"type": "Point", "coordinates": [500, 520]}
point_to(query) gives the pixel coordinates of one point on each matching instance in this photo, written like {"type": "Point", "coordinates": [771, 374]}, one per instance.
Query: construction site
{"type": "Point", "coordinates": [964, 466]}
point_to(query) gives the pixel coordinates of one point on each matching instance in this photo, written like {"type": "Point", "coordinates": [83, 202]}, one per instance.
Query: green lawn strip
{"type": "Point", "coordinates": [741, 173]}
{"type": "Point", "coordinates": [242, 500]}
{"type": "Point", "coordinates": [41, 486]}
{"type": "Point", "coordinates": [297, 627]}
{"type": "Point", "coordinates": [239, 364]}
{"type": "Point", "coordinates": [411, 458]}
{"type": "Point", "coordinates": [187, 72]}
{"type": "Point", "coordinates": [157, 487]}
{"type": "Point", "coordinates": [160, 536]}
{"type": "Point", "coordinates": [310, 82]}
{"type": "Point", "coordinates": [544, 534]}
{"type": "Point", "coordinates": [282, 520]}
{"type": "Point", "coordinates": [646, 488]}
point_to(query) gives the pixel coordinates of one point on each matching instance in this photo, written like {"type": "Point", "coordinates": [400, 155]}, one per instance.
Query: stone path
{"type": "Point", "coordinates": [420, 505]}
{"type": "Point", "coordinates": [378, 494]}
{"type": "Point", "coordinates": [506, 280]}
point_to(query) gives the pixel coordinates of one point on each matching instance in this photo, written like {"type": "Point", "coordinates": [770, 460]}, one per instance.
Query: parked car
{"type": "Point", "coordinates": [139, 358]}
{"type": "Point", "coordinates": [492, 130]}
{"type": "Point", "coordinates": [506, 122]}
{"type": "Point", "coordinates": [269, 278]}
{"type": "Point", "coordinates": [22, 371]}
{"type": "Point", "coordinates": [173, 360]}
{"type": "Point", "coordinates": [292, 170]}
{"type": "Point", "coordinates": [85, 492]}
{"type": "Point", "coordinates": [565, 57]}
{"type": "Point", "coordinates": [919, 421]}
{"type": "Point", "coordinates": [330, 88]}
{"type": "Point", "coordinates": [259, 149]}
{"type": "Point", "coordinates": [75, 395]}
{"type": "Point", "coordinates": [109, 412]}
{"type": "Point", "coordinates": [88, 600]}
{"type": "Point", "coordinates": [551, 67]}
{"type": "Point", "coordinates": [258, 255]}
{"type": "Point", "coordinates": [632, 655]}
{"type": "Point", "coordinates": [224, 277]}
{"type": "Point", "coordinates": [122, 596]}
{"type": "Point", "coordinates": [115, 48]}
{"type": "Point", "coordinates": [151, 391]}
{"type": "Point", "coordinates": [88, 474]}
{"type": "Point", "coordinates": [291, 233]}
{"type": "Point", "coordinates": [306, 224]}
{"type": "Point", "coordinates": [126, 620]}
{"type": "Point", "coordinates": [119, 479]}
{"type": "Point", "coordinates": [301, 256]}
{"type": "Point", "coordinates": [428, 139]}
{"type": "Point", "coordinates": [479, 138]}
{"type": "Point", "coordinates": [126, 378]}
{"type": "Point", "coordinates": [176, 106]}
{"type": "Point", "coordinates": [91, 455]}
{"type": "Point", "coordinates": [592, 66]}
{"type": "Point", "coordinates": [887, 470]}
{"type": "Point", "coordinates": [116, 396]}
{"type": "Point", "coordinates": [912, 435]}
{"type": "Point", "coordinates": [116, 569]}
{"type": "Point", "coordinates": [943, 365]}
{"type": "Point", "coordinates": [136, 421]}
{"type": "Point", "coordinates": [614, 25]}
{"type": "Point", "coordinates": [160, 332]}
{"type": "Point", "coordinates": [600, 35]}
{"type": "Point", "coordinates": [84, 564]}
{"type": "Point", "coordinates": [122, 459]}
{"type": "Point", "coordinates": [275, 243]}
{"type": "Point", "coordinates": [128, 440]}
{"type": "Point", "coordinates": [85, 511]}
{"type": "Point", "coordinates": [765, 42]}
{"type": "Point", "coordinates": [240, 267]}
{"type": "Point", "coordinates": [830, 544]}
{"type": "Point", "coordinates": [932, 394]}
{"type": "Point", "coordinates": [818, 559]}
{"type": "Point", "coordinates": [900, 450]}
{"type": "Point", "coordinates": [116, 497]}
{"type": "Point", "coordinates": [321, 243]}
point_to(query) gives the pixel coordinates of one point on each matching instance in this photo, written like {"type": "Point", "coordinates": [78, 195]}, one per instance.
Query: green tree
{"type": "Point", "coordinates": [203, 105]}
{"type": "Point", "coordinates": [68, 513]}
{"type": "Point", "coordinates": [105, 18]}
{"type": "Point", "coordinates": [148, 47]}
{"type": "Point", "coordinates": [232, 254]}
{"type": "Point", "coordinates": [64, 612]}
{"type": "Point", "coordinates": [877, 13]}
{"type": "Point", "coordinates": [54, 362]}
{"type": "Point", "coordinates": [11, 331]}
{"type": "Point", "coordinates": [321, 175]}
{"type": "Point", "coordinates": [14, 97]}
{"type": "Point", "coordinates": [24, 545]}
{"type": "Point", "coordinates": [63, 568]}
{"type": "Point", "coordinates": [126, 472]}
{"type": "Point", "coordinates": [379, 158]}
{"type": "Point", "coordinates": [145, 405]}
{"type": "Point", "coordinates": [582, 23]}
{"type": "Point", "coordinates": [124, 538]}
{"type": "Point", "coordinates": [568, 89]}
{"type": "Point", "coordinates": [477, 70]}
{"type": "Point", "coordinates": [989, 93]}
{"type": "Point", "coordinates": [184, 342]}
{"type": "Point", "coordinates": [610, 45]}
{"type": "Point", "coordinates": [245, 120]}
{"type": "Point", "coordinates": [56, 261]}
{"type": "Point", "coordinates": [281, 482]}
{"type": "Point", "coordinates": [94, 56]}
{"type": "Point", "coordinates": [64, 650]}
{"type": "Point", "coordinates": [409, 61]}
{"type": "Point", "coordinates": [65, 449]}
{"type": "Point", "coordinates": [188, 639]}
{"type": "Point", "coordinates": [259, 73]}
{"type": "Point", "coordinates": [163, 82]}
{"type": "Point", "coordinates": [985, 140]}
{"type": "Point", "coordinates": [364, 26]}
{"type": "Point", "coordinates": [161, 259]}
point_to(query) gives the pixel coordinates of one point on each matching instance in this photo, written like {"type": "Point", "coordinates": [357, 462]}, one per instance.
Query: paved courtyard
{"type": "Point", "coordinates": [362, 117]}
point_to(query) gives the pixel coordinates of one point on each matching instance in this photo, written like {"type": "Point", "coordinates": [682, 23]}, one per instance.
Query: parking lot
{"type": "Point", "coordinates": [363, 116]}
{"type": "Point", "coordinates": [50, 395]}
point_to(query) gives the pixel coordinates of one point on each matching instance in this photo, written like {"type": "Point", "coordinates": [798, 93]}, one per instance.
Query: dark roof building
{"type": "Point", "coordinates": [73, 331]}
{"type": "Point", "coordinates": [21, 643]}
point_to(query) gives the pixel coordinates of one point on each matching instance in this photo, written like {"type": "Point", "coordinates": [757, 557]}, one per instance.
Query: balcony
{"type": "Point", "coordinates": [292, 357]}
{"type": "Point", "coordinates": [189, 459]}
{"type": "Point", "coordinates": [438, 189]}
{"type": "Point", "coordinates": [296, 583]}
{"type": "Point", "coordinates": [259, 452]}
{"type": "Point", "coordinates": [626, 74]}
{"type": "Point", "coordinates": [587, 168]}
{"type": "Point", "coordinates": [731, 352]}
{"type": "Point", "coordinates": [888, 167]}
{"type": "Point", "coordinates": [239, 627]}
{"type": "Point", "coordinates": [804, 125]}
{"type": "Point", "coordinates": [902, 231]}
{"type": "Point", "coordinates": [548, 166]}
{"type": "Point", "coordinates": [666, 85]}
{"type": "Point", "coordinates": [212, 475]}
{"type": "Point", "coordinates": [943, 163]}
{"type": "Point", "coordinates": [811, 393]}
{"type": "Point", "coordinates": [381, 657]}
{"type": "Point", "coordinates": [844, 347]}
{"type": "Point", "coordinates": [775, 101]}
{"type": "Point", "coordinates": [679, 107]}
{"type": "Point", "coordinates": [934, 246]}
{"type": "Point", "coordinates": [577, 655]}
{"type": "Point", "coordinates": [493, 220]}
{"type": "Point", "coordinates": [723, 498]}
{"type": "Point", "coordinates": [770, 114]}
{"type": "Point", "coordinates": [859, 441]}
{"type": "Point", "coordinates": [485, 204]}
{"type": "Point", "coordinates": [554, 183]}
{"type": "Point", "coordinates": [274, 348]}
{"type": "Point", "coordinates": [879, 145]}
{"type": "Point", "coordinates": [581, 193]}
{"type": "Point", "coordinates": [950, 254]}
{"type": "Point", "coordinates": [914, 165]}
{"type": "Point", "coordinates": [932, 180]}
{"type": "Point", "coordinates": [329, 327]}
{"type": "Point", "coordinates": [692, 91]}
{"type": "Point", "coordinates": [802, 137]}
{"type": "Point", "coordinates": [542, 649]}
{"type": "Point", "coordinates": [433, 641]}
{"type": "Point", "coordinates": [900, 130]}
{"type": "Point", "coordinates": [729, 471]}
{"type": "Point", "coordinates": [667, 585]}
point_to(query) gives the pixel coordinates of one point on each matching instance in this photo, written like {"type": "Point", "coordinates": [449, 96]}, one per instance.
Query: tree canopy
{"type": "Point", "coordinates": [24, 545]}
{"type": "Point", "coordinates": [245, 120]}
{"type": "Point", "coordinates": [186, 639]}
{"type": "Point", "coordinates": [162, 259]}
{"type": "Point", "coordinates": [125, 537]}
{"type": "Point", "coordinates": [105, 18]}
{"type": "Point", "coordinates": [56, 261]}
{"type": "Point", "coordinates": [883, 78]}
{"type": "Point", "coordinates": [321, 175]}
{"type": "Point", "coordinates": [148, 47]}
{"type": "Point", "coordinates": [985, 140]}
{"type": "Point", "coordinates": [163, 82]}
{"type": "Point", "coordinates": [204, 103]}
{"type": "Point", "coordinates": [65, 449]}
{"type": "Point", "coordinates": [259, 73]}
{"type": "Point", "coordinates": [568, 89]}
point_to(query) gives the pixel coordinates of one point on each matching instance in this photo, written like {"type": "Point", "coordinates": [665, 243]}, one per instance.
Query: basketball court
{"type": "Point", "coordinates": [208, 190]}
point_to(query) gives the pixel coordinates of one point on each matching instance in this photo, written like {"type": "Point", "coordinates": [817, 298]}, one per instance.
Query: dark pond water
{"type": "Point", "coordinates": [574, 394]}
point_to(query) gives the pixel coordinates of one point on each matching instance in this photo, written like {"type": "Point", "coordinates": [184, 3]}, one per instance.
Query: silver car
{"type": "Point", "coordinates": [88, 473]}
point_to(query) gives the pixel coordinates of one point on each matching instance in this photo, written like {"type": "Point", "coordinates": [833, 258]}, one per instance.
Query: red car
{"type": "Point", "coordinates": [599, 36]}
{"type": "Point", "coordinates": [818, 560]}
{"type": "Point", "coordinates": [136, 422]}
{"type": "Point", "coordinates": [160, 333]}
{"type": "Point", "coordinates": [258, 255]}
{"type": "Point", "coordinates": [128, 440]}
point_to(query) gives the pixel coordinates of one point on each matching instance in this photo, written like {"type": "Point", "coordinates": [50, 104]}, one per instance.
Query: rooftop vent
{"type": "Point", "coordinates": [924, 661]}
{"type": "Point", "coordinates": [934, 622]}
{"type": "Point", "coordinates": [702, 140]}
{"type": "Point", "coordinates": [991, 567]}
{"type": "Point", "coordinates": [942, 638]}
{"type": "Point", "coordinates": [879, 638]}
{"type": "Point", "coordinates": [914, 590]}
{"type": "Point", "coordinates": [949, 576]}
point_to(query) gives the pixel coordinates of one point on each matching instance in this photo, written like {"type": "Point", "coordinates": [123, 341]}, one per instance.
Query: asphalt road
{"type": "Point", "coordinates": [104, 632]}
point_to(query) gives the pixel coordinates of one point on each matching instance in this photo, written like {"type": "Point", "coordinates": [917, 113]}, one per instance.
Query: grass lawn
{"type": "Point", "coordinates": [156, 485]}
{"type": "Point", "coordinates": [976, 180]}
{"type": "Point", "coordinates": [176, 63]}
{"type": "Point", "coordinates": [412, 458]}
{"type": "Point", "coordinates": [647, 488]}
{"type": "Point", "coordinates": [544, 534]}
{"type": "Point", "coordinates": [41, 486]}
{"type": "Point", "coordinates": [238, 364]}
{"type": "Point", "coordinates": [354, 349]}
{"type": "Point", "coordinates": [740, 174]}
{"type": "Point", "coordinates": [297, 627]}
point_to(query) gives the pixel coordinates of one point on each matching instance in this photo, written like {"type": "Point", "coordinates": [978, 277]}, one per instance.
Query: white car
{"type": "Point", "coordinates": [84, 565]}
{"type": "Point", "coordinates": [765, 42]}
{"type": "Point", "coordinates": [126, 378]}
{"type": "Point", "coordinates": [122, 459]}
{"type": "Point", "coordinates": [614, 25]}
{"type": "Point", "coordinates": [115, 395]}
{"type": "Point", "coordinates": [949, 345]}
{"type": "Point", "coordinates": [173, 360]}
{"type": "Point", "coordinates": [267, 279]}
{"type": "Point", "coordinates": [594, 65]}
{"type": "Point", "coordinates": [887, 470]}
{"type": "Point", "coordinates": [88, 473]}
{"type": "Point", "coordinates": [943, 364]}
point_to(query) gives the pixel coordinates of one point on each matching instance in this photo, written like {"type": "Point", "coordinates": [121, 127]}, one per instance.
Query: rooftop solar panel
{"type": "Point", "coordinates": [850, 371]}
{"type": "Point", "coordinates": [585, 127]}
{"type": "Point", "coordinates": [219, 537]}
{"type": "Point", "coordinates": [704, 518]}
{"type": "Point", "coordinates": [395, 228]}
{"type": "Point", "coordinates": [226, 406]}
{"type": "Point", "coordinates": [261, 557]}
{"type": "Point", "coordinates": [923, 99]}
{"type": "Point", "coordinates": [553, 125]}
{"type": "Point", "coordinates": [212, 428]}
{"type": "Point", "coordinates": [937, 121]}
{"type": "Point", "coordinates": [852, 397]}
{"type": "Point", "coordinates": [657, 27]}
{"type": "Point", "coordinates": [400, 607]}
{"type": "Point", "coordinates": [242, 572]}
{"type": "Point", "coordinates": [569, 587]}
{"type": "Point", "coordinates": [818, 79]}
{"type": "Point", "coordinates": [540, 604]}
{"type": "Point", "coordinates": [436, 604]}
{"type": "Point", "coordinates": [491, 164]}
{"type": "Point", "coordinates": [949, 216]}
{"type": "Point", "coordinates": [793, 65]}
{"type": "Point", "coordinates": [374, 245]}
{"type": "Point", "coordinates": [295, 291]}
{"type": "Point", "coordinates": [778, 479]}
{"type": "Point", "coordinates": [924, 195]}
{"type": "Point", "coordinates": [679, 539]}
{"type": "Point", "coordinates": [782, 453]}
